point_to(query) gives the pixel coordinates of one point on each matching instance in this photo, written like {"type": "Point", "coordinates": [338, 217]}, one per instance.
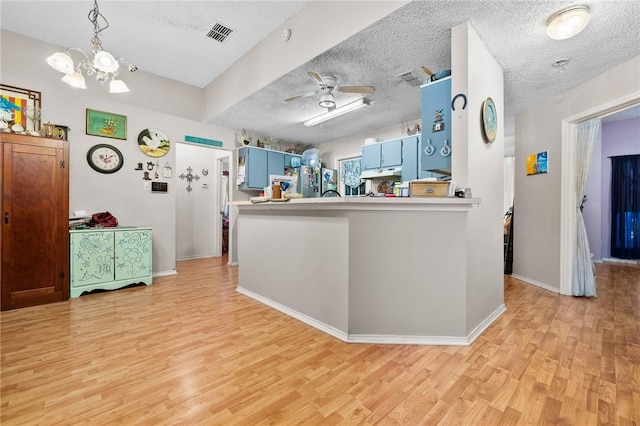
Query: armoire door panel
{"type": "Point", "coordinates": [35, 221]}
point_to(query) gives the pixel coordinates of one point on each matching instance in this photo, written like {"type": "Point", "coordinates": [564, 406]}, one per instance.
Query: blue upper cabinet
{"type": "Point", "coordinates": [382, 155]}
{"type": "Point", "coordinates": [410, 148]}
{"type": "Point", "coordinates": [258, 164]}
{"type": "Point", "coordinates": [391, 153]}
{"type": "Point", "coordinates": [371, 156]}
{"type": "Point", "coordinates": [275, 163]}
{"type": "Point", "coordinates": [292, 160]}
{"type": "Point", "coordinates": [256, 169]}
{"type": "Point", "coordinates": [435, 146]}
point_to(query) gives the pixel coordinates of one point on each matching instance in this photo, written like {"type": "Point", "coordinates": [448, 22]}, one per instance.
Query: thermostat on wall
{"type": "Point", "coordinates": [159, 187]}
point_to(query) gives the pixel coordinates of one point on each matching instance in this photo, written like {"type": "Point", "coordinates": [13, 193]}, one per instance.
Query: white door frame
{"type": "Point", "coordinates": [568, 181]}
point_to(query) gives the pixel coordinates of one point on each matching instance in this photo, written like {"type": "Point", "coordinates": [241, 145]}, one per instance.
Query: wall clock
{"type": "Point", "coordinates": [105, 158]}
{"type": "Point", "coordinates": [489, 119]}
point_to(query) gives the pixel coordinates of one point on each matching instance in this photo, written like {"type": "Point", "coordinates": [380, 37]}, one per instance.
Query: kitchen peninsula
{"type": "Point", "coordinates": [363, 269]}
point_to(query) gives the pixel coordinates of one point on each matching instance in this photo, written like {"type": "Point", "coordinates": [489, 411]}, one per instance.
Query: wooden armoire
{"type": "Point", "coordinates": [35, 220]}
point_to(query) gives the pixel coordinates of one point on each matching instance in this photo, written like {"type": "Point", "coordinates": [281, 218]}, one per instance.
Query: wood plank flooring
{"type": "Point", "coordinates": [191, 350]}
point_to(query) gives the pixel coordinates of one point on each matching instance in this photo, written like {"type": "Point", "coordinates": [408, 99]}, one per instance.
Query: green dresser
{"type": "Point", "coordinates": [109, 258]}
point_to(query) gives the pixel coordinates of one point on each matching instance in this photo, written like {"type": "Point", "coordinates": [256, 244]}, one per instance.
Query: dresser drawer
{"type": "Point", "coordinates": [428, 189]}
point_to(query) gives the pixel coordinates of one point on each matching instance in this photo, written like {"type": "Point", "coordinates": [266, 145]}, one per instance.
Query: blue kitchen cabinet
{"type": "Point", "coordinates": [382, 155]}
{"type": "Point", "coordinates": [275, 164]}
{"type": "Point", "coordinates": [256, 164]}
{"type": "Point", "coordinates": [410, 148]}
{"type": "Point", "coordinates": [288, 159]}
{"type": "Point", "coordinates": [391, 153]}
{"type": "Point", "coordinates": [435, 144]}
{"type": "Point", "coordinates": [252, 168]}
{"type": "Point", "coordinates": [371, 156]}
{"type": "Point", "coordinates": [109, 258]}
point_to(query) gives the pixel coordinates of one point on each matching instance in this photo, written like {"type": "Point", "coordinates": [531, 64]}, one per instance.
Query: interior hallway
{"type": "Point", "coordinates": [191, 350]}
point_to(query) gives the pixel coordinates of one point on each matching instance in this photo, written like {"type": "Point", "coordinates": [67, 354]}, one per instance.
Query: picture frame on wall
{"type": "Point", "coordinates": [29, 103]}
{"type": "Point", "coordinates": [537, 163]}
{"type": "Point", "coordinates": [106, 124]}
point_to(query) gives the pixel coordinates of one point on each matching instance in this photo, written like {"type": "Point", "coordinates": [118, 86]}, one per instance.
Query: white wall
{"type": "Point", "coordinates": [537, 226]}
{"type": "Point", "coordinates": [153, 102]}
{"type": "Point", "coordinates": [198, 221]}
{"type": "Point", "coordinates": [478, 165]}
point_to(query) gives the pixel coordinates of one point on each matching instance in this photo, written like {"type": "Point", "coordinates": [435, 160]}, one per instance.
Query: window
{"type": "Point", "coordinates": [350, 182]}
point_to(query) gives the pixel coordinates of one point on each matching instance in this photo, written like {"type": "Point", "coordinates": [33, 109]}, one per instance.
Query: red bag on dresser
{"type": "Point", "coordinates": [103, 220]}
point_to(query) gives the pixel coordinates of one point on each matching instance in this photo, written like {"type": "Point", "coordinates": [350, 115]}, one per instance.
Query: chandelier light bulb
{"type": "Point", "coordinates": [75, 79]}
{"type": "Point", "coordinates": [61, 62]}
{"type": "Point", "coordinates": [105, 62]}
{"type": "Point", "coordinates": [118, 86]}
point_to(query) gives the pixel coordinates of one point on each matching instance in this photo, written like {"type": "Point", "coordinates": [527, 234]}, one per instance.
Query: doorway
{"type": "Point", "coordinates": [198, 205]}
{"type": "Point", "coordinates": [568, 200]}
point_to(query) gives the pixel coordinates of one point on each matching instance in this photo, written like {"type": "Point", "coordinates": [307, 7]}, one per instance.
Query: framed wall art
{"type": "Point", "coordinates": [153, 142]}
{"type": "Point", "coordinates": [106, 124]}
{"type": "Point", "coordinates": [537, 163]}
{"type": "Point", "coordinates": [21, 106]}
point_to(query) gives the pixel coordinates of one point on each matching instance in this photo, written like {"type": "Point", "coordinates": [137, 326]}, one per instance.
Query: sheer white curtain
{"type": "Point", "coordinates": [583, 281]}
{"type": "Point", "coordinates": [509, 178]}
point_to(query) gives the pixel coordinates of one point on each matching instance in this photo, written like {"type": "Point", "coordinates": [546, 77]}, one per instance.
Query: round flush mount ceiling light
{"type": "Point", "coordinates": [326, 101]}
{"type": "Point", "coordinates": [568, 22]}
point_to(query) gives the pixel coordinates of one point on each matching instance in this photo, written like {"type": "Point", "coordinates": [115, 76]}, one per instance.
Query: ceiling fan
{"type": "Point", "coordinates": [327, 84]}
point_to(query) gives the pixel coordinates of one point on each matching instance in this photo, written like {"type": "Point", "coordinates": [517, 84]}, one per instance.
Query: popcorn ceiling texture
{"type": "Point", "coordinates": [169, 41]}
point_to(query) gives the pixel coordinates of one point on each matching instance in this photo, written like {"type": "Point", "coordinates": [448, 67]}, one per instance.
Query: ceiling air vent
{"type": "Point", "coordinates": [220, 32]}
{"type": "Point", "coordinates": [411, 79]}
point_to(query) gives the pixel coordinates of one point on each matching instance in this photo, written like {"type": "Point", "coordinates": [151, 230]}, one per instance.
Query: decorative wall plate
{"type": "Point", "coordinates": [489, 119]}
{"type": "Point", "coordinates": [153, 142]}
{"type": "Point", "coordinates": [105, 158]}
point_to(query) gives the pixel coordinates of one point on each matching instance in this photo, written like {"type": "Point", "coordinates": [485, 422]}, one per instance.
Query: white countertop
{"type": "Point", "coordinates": [364, 203]}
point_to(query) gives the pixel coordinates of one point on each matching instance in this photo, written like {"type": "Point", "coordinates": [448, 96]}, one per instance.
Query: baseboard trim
{"type": "Point", "coordinates": [623, 261]}
{"type": "Point", "coordinates": [536, 283]}
{"type": "Point", "coordinates": [480, 328]}
{"type": "Point", "coordinates": [387, 339]}
{"type": "Point", "coordinates": [165, 273]}
{"type": "Point", "coordinates": [330, 330]}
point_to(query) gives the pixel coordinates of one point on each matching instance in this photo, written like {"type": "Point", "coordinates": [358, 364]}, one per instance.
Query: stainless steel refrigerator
{"type": "Point", "coordinates": [314, 181]}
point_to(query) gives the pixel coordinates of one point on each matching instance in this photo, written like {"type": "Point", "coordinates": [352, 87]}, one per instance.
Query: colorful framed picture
{"type": "Point", "coordinates": [537, 163]}
{"type": "Point", "coordinates": [20, 106]}
{"type": "Point", "coordinates": [106, 124]}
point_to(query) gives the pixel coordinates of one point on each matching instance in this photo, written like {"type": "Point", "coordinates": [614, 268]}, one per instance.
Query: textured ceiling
{"type": "Point", "coordinates": [415, 35]}
{"type": "Point", "coordinates": [166, 38]}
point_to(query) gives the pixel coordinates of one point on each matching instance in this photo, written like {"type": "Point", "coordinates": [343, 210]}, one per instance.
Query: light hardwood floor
{"type": "Point", "coordinates": [191, 350]}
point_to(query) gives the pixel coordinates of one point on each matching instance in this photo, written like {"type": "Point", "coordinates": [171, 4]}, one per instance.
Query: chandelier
{"type": "Point", "coordinates": [99, 63]}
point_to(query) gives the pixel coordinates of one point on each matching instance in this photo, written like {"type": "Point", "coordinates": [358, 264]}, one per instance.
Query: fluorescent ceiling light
{"type": "Point", "coordinates": [568, 22]}
{"type": "Point", "coordinates": [337, 112]}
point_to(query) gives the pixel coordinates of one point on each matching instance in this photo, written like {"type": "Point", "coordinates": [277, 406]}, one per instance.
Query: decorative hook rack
{"type": "Point", "coordinates": [189, 177]}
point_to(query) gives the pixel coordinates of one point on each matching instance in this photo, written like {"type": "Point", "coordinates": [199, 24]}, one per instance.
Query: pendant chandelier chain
{"type": "Point", "coordinates": [94, 15]}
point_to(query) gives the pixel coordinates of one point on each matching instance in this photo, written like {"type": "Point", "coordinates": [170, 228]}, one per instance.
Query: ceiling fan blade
{"type": "Point", "coordinates": [304, 95]}
{"type": "Point", "coordinates": [317, 77]}
{"type": "Point", "coordinates": [356, 89]}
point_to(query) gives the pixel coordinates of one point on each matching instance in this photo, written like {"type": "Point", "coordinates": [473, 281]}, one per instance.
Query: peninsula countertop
{"type": "Point", "coordinates": [364, 269]}
{"type": "Point", "coordinates": [366, 203]}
